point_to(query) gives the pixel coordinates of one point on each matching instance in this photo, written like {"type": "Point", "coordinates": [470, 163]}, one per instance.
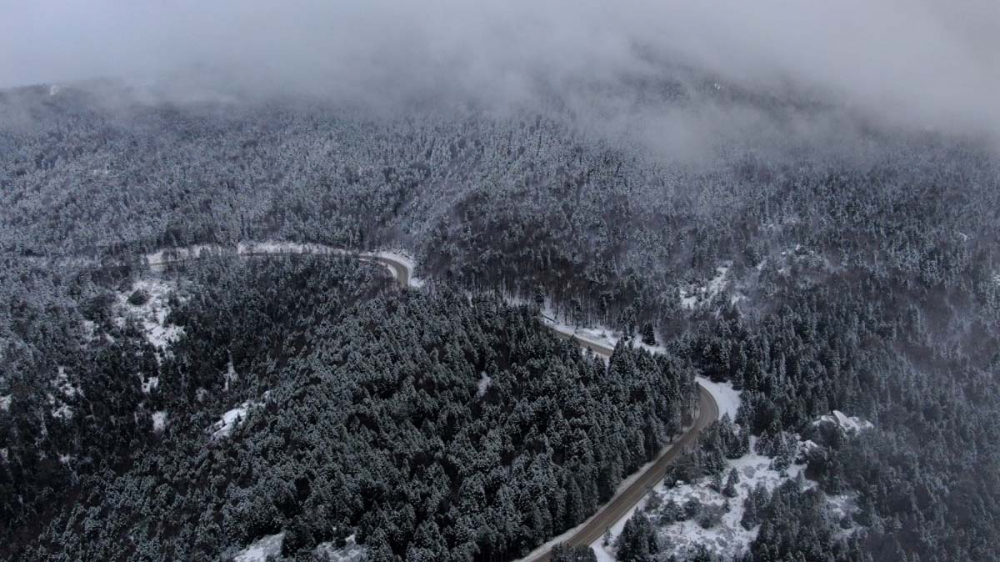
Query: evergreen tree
{"type": "Point", "coordinates": [638, 542]}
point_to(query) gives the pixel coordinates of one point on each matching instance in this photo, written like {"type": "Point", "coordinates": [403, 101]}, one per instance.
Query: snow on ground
{"type": "Point", "coordinates": [5, 402]}
{"type": "Point", "coordinates": [62, 383]}
{"type": "Point", "coordinates": [162, 257]}
{"type": "Point", "coordinates": [850, 424]}
{"type": "Point", "coordinates": [232, 418]}
{"type": "Point", "coordinates": [151, 314]}
{"type": "Point", "coordinates": [89, 330]}
{"type": "Point", "coordinates": [595, 333]}
{"type": "Point", "coordinates": [159, 421]}
{"type": "Point", "coordinates": [149, 384]}
{"type": "Point", "coordinates": [483, 384]}
{"type": "Point", "coordinates": [727, 538]}
{"type": "Point", "coordinates": [350, 552]}
{"type": "Point", "coordinates": [261, 549]}
{"type": "Point", "coordinates": [230, 376]}
{"type": "Point", "coordinates": [63, 412]}
{"type": "Point", "coordinates": [691, 297]}
{"type": "Point", "coordinates": [725, 396]}
{"type": "Point", "coordinates": [272, 247]}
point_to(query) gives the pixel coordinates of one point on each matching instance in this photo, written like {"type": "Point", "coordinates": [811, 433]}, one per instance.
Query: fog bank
{"type": "Point", "coordinates": [923, 63]}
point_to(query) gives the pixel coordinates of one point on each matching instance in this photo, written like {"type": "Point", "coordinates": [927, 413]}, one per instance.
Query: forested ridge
{"type": "Point", "coordinates": [434, 427]}
{"type": "Point", "coordinates": [861, 276]}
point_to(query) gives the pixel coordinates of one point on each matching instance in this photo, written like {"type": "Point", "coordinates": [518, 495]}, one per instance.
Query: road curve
{"type": "Point", "coordinates": [607, 515]}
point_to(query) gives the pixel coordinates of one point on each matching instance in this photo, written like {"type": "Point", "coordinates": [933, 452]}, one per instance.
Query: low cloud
{"type": "Point", "coordinates": [919, 63]}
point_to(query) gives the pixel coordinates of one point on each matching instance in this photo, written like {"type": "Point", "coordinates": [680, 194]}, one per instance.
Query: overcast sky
{"type": "Point", "coordinates": [929, 62]}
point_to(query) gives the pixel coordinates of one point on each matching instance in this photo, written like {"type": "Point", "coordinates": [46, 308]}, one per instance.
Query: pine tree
{"type": "Point", "coordinates": [648, 334]}
{"type": "Point", "coordinates": [638, 542]}
{"type": "Point", "coordinates": [730, 489]}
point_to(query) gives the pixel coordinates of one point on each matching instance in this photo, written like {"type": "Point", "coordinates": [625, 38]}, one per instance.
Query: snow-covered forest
{"type": "Point", "coordinates": [187, 414]}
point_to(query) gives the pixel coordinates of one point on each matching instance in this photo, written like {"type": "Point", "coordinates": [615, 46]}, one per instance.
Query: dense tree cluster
{"type": "Point", "coordinates": [75, 363]}
{"type": "Point", "coordinates": [437, 427]}
{"type": "Point", "coordinates": [638, 542]}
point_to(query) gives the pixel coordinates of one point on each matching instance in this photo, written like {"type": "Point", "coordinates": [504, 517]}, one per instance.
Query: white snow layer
{"type": "Point", "coordinates": [691, 297]}
{"type": "Point", "coordinates": [63, 412]}
{"type": "Point", "coordinates": [149, 384]}
{"type": "Point", "coordinates": [259, 550]}
{"type": "Point", "coordinates": [5, 402]}
{"type": "Point", "coordinates": [350, 552]}
{"type": "Point", "coordinates": [159, 421]}
{"type": "Point", "coordinates": [62, 383]}
{"type": "Point", "coordinates": [153, 313]}
{"type": "Point", "coordinates": [483, 385]}
{"type": "Point", "coordinates": [232, 418]}
{"type": "Point", "coordinates": [725, 396]}
{"type": "Point", "coordinates": [849, 424]}
{"type": "Point", "coordinates": [728, 538]}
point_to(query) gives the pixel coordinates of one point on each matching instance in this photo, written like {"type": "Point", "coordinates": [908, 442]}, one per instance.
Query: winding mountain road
{"type": "Point", "coordinates": [625, 499]}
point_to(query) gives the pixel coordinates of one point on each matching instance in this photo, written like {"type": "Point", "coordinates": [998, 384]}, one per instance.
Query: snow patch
{"type": "Point", "coordinates": [89, 330]}
{"type": "Point", "coordinates": [260, 550]}
{"type": "Point", "coordinates": [157, 260]}
{"type": "Point", "coordinates": [63, 412]}
{"type": "Point", "coordinates": [483, 385]}
{"type": "Point", "coordinates": [725, 396]}
{"type": "Point", "coordinates": [224, 427]}
{"type": "Point", "coordinates": [159, 421]}
{"type": "Point", "coordinates": [350, 552]}
{"type": "Point", "coordinates": [849, 424]}
{"type": "Point", "coordinates": [5, 402]}
{"type": "Point", "coordinates": [149, 384]}
{"type": "Point", "coordinates": [231, 376]}
{"type": "Point", "coordinates": [728, 538]}
{"type": "Point", "coordinates": [152, 314]}
{"type": "Point", "coordinates": [62, 383]}
{"type": "Point", "coordinates": [692, 297]}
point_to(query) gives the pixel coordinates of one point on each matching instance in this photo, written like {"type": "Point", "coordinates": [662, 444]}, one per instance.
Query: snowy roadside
{"type": "Point", "coordinates": [622, 488]}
